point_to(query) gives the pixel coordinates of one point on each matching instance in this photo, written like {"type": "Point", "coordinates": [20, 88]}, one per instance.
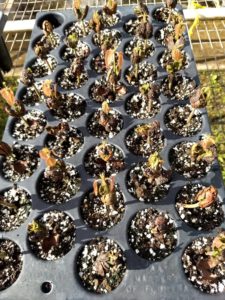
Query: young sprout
{"type": "Point", "coordinates": [147, 131]}
{"type": "Point", "coordinates": [61, 134]}
{"type": "Point", "coordinates": [176, 54]}
{"type": "Point", "coordinates": [104, 117]}
{"type": "Point", "coordinates": [197, 100]}
{"type": "Point", "coordinates": [154, 170]}
{"type": "Point", "coordinates": [105, 189]}
{"type": "Point", "coordinates": [160, 226]}
{"type": "Point", "coordinates": [179, 30]}
{"type": "Point", "coordinates": [171, 4]}
{"type": "Point", "coordinates": [13, 107]}
{"type": "Point", "coordinates": [204, 198]}
{"type": "Point", "coordinates": [80, 13]}
{"type": "Point", "coordinates": [72, 40]}
{"type": "Point", "coordinates": [42, 51]}
{"type": "Point", "coordinates": [96, 23]}
{"type": "Point", "coordinates": [76, 69]}
{"type": "Point", "coordinates": [136, 57]}
{"type": "Point", "coordinates": [110, 7]}
{"type": "Point", "coordinates": [19, 166]}
{"type": "Point", "coordinates": [204, 150]}
{"type": "Point", "coordinates": [48, 239]}
{"type": "Point", "coordinates": [150, 91]}
{"type": "Point", "coordinates": [113, 63]}
{"type": "Point", "coordinates": [141, 10]}
{"type": "Point", "coordinates": [103, 263]}
{"type": "Point", "coordinates": [50, 90]}
{"type": "Point", "coordinates": [105, 151]}
{"type": "Point", "coordinates": [3, 255]}
{"type": "Point", "coordinates": [48, 31]}
{"type": "Point", "coordinates": [56, 169]}
{"type": "Point", "coordinates": [27, 78]}
{"type": "Point", "coordinates": [144, 30]}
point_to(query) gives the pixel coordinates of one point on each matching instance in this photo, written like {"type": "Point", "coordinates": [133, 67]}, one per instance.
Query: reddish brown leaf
{"type": "Point", "coordinates": [49, 242]}
{"type": "Point", "coordinates": [206, 196]}
{"type": "Point", "coordinates": [20, 166]}
{"type": "Point", "coordinates": [5, 149]}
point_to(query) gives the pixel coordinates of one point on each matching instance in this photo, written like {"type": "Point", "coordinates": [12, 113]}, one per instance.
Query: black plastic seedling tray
{"type": "Point", "coordinates": [143, 279]}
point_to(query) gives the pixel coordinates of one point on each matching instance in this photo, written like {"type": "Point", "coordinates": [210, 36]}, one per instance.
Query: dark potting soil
{"type": "Point", "coordinates": [11, 263]}
{"type": "Point", "coordinates": [146, 73]}
{"type": "Point", "coordinates": [100, 91]}
{"type": "Point", "coordinates": [142, 189]}
{"type": "Point", "coordinates": [59, 191]}
{"type": "Point", "coordinates": [30, 126]}
{"type": "Point", "coordinates": [40, 67]}
{"type": "Point", "coordinates": [67, 144]}
{"type": "Point", "coordinates": [95, 165]}
{"type": "Point", "coordinates": [162, 14]}
{"type": "Point", "coordinates": [176, 120]}
{"type": "Point", "coordinates": [101, 265]}
{"type": "Point", "coordinates": [81, 28]}
{"type": "Point", "coordinates": [142, 145]}
{"type": "Point", "coordinates": [51, 235]}
{"type": "Point", "coordinates": [112, 35]}
{"type": "Point", "coordinates": [145, 46]}
{"type": "Point", "coordinates": [68, 81]}
{"type": "Point", "coordinates": [110, 125]}
{"type": "Point", "coordinates": [138, 106]}
{"type": "Point", "coordinates": [31, 97]}
{"type": "Point", "coordinates": [180, 160]}
{"type": "Point", "coordinates": [69, 107]}
{"type": "Point", "coordinates": [99, 215]}
{"type": "Point", "coordinates": [15, 207]}
{"type": "Point", "coordinates": [194, 257]}
{"type": "Point", "coordinates": [109, 20]}
{"type": "Point", "coordinates": [82, 50]}
{"type": "Point", "coordinates": [178, 87]}
{"type": "Point", "coordinates": [152, 234]}
{"type": "Point", "coordinates": [51, 41]}
{"type": "Point", "coordinates": [21, 164]}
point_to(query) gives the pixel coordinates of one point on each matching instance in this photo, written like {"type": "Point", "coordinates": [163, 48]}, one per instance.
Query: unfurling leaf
{"type": "Point", "coordinates": [154, 161]}
{"type": "Point", "coordinates": [105, 189]}
{"type": "Point", "coordinates": [5, 149]}
{"type": "Point", "coordinates": [76, 4]}
{"type": "Point", "coordinates": [105, 107]}
{"type": "Point", "coordinates": [46, 155]}
{"type": "Point", "coordinates": [105, 151]}
{"type": "Point", "coordinates": [47, 27]}
{"type": "Point", "coordinates": [109, 57]}
{"type": "Point", "coordinates": [96, 22]}
{"type": "Point", "coordinates": [171, 3]}
{"type": "Point", "coordinates": [141, 10]}
{"type": "Point", "coordinates": [46, 87]}
{"type": "Point", "coordinates": [8, 95]}
{"type": "Point", "coordinates": [198, 99]}
{"type": "Point", "coordinates": [177, 55]}
{"type": "Point", "coordinates": [80, 12]}
{"type": "Point", "coordinates": [110, 7]}
{"type": "Point", "coordinates": [120, 61]}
